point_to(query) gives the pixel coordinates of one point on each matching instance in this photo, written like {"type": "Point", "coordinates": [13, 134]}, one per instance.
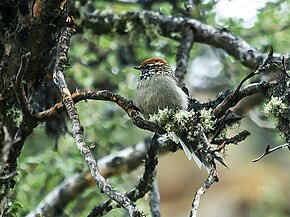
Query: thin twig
{"type": "Point", "coordinates": [283, 68]}
{"type": "Point", "coordinates": [238, 94]}
{"type": "Point", "coordinates": [212, 178]}
{"type": "Point", "coordinates": [269, 150]}
{"type": "Point", "coordinates": [241, 136]}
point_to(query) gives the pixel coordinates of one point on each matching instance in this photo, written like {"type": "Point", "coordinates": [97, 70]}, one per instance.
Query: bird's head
{"type": "Point", "coordinates": [154, 66]}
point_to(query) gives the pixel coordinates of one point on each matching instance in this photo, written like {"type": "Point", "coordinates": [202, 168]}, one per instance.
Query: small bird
{"type": "Point", "coordinates": [157, 89]}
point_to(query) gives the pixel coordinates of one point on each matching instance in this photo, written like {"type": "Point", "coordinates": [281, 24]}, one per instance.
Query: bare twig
{"type": "Point", "coordinates": [212, 178]}
{"type": "Point", "coordinates": [60, 65]}
{"type": "Point", "coordinates": [269, 150]}
{"type": "Point", "coordinates": [241, 136]}
{"type": "Point", "coordinates": [283, 68]}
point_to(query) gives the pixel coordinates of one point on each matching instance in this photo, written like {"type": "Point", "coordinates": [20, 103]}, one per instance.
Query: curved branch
{"type": "Point", "coordinates": [235, 97]}
{"type": "Point", "coordinates": [168, 26]}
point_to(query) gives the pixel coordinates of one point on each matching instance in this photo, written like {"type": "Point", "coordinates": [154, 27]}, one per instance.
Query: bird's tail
{"type": "Point", "coordinates": [192, 151]}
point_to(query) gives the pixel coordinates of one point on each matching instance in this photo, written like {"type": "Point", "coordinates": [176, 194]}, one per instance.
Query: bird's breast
{"type": "Point", "coordinates": [159, 92]}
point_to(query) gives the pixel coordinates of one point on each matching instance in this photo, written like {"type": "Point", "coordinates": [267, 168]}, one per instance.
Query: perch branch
{"type": "Point", "coordinates": [105, 95]}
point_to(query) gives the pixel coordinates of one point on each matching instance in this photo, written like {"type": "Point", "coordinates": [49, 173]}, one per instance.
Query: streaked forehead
{"type": "Point", "coordinates": [153, 60]}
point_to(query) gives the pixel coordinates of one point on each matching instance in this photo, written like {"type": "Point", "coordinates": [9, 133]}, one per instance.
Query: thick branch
{"type": "Point", "coordinates": [168, 25]}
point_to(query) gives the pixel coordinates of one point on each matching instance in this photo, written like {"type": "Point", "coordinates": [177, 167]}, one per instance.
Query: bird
{"type": "Point", "coordinates": [157, 89]}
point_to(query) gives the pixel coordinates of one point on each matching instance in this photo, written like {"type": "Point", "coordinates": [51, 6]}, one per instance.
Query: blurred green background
{"type": "Point", "coordinates": [105, 62]}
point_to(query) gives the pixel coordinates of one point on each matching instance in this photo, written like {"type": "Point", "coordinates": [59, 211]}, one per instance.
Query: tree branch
{"type": "Point", "coordinates": [212, 178]}
{"type": "Point", "coordinates": [169, 25]}
{"type": "Point", "coordinates": [58, 77]}
{"type": "Point", "coordinates": [144, 184]}
{"type": "Point", "coordinates": [269, 150]}
{"type": "Point", "coordinates": [105, 95]}
{"type": "Point", "coordinates": [239, 94]}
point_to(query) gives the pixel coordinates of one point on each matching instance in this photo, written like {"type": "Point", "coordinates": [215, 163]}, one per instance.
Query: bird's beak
{"type": "Point", "coordinates": [137, 67]}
